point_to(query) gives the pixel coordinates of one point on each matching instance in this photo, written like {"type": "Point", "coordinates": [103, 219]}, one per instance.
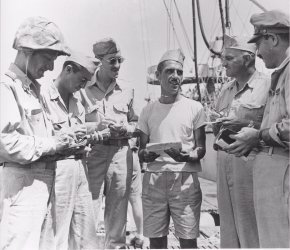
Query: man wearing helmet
{"type": "Point", "coordinates": [26, 135]}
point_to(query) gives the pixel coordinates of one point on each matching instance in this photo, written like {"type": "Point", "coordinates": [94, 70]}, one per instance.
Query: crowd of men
{"type": "Point", "coordinates": [66, 143]}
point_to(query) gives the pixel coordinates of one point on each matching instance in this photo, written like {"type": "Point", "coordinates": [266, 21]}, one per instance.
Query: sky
{"type": "Point", "coordinates": [141, 28]}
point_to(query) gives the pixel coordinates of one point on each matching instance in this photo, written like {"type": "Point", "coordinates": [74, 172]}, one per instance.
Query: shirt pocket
{"type": "Point", "coordinates": [77, 117]}
{"type": "Point", "coordinates": [120, 112]}
{"type": "Point", "coordinates": [120, 108]}
{"type": "Point", "coordinates": [90, 108]}
{"type": "Point", "coordinates": [94, 113]}
{"type": "Point", "coordinates": [252, 114]}
{"type": "Point", "coordinates": [59, 124]}
{"type": "Point", "coordinates": [36, 121]}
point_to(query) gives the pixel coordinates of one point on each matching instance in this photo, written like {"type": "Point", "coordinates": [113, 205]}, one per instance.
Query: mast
{"type": "Point", "coordinates": [228, 23]}
{"type": "Point", "coordinates": [194, 50]}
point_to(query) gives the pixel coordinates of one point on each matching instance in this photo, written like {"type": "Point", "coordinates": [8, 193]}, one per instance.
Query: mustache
{"type": "Point", "coordinates": [175, 79]}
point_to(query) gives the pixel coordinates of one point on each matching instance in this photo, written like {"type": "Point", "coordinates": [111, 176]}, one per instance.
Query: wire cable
{"type": "Point", "coordinates": [184, 32]}
{"type": "Point", "coordinates": [173, 28]}
{"type": "Point", "coordinates": [202, 29]}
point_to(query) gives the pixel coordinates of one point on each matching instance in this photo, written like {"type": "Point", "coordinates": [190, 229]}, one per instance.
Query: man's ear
{"type": "Point", "coordinates": [247, 59]}
{"type": "Point", "coordinates": [157, 74]}
{"type": "Point", "coordinates": [68, 68]}
{"type": "Point", "coordinates": [275, 39]}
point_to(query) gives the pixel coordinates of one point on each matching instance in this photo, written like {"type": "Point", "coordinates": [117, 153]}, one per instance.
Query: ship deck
{"type": "Point", "coordinates": [209, 223]}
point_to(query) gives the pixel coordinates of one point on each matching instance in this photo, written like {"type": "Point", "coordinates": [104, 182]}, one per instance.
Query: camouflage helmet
{"type": "Point", "coordinates": [38, 33]}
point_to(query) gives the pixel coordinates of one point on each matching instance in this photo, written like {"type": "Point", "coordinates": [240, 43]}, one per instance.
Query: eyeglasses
{"type": "Point", "coordinates": [114, 60]}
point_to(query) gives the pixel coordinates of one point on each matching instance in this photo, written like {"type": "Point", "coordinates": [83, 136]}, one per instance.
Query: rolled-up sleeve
{"type": "Point", "coordinates": [143, 121]}
{"type": "Point", "coordinates": [15, 144]}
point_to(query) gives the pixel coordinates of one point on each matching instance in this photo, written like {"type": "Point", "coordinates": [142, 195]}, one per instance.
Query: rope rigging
{"type": "Point", "coordinates": [218, 53]}
{"type": "Point", "coordinates": [188, 42]}
{"type": "Point", "coordinates": [171, 21]}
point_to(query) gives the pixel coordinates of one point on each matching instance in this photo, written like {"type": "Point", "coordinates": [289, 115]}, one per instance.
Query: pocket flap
{"type": "Point", "coordinates": [121, 107]}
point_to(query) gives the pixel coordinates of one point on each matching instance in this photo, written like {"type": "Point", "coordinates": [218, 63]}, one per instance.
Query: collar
{"type": "Point", "coordinates": [96, 83]}
{"type": "Point", "coordinates": [53, 91]}
{"type": "Point", "coordinates": [54, 95]}
{"type": "Point", "coordinates": [26, 82]}
{"type": "Point", "coordinates": [285, 62]}
{"type": "Point", "coordinates": [251, 81]}
{"type": "Point", "coordinates": [232, 84]}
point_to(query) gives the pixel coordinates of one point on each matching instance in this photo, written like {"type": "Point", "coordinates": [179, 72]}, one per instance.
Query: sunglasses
{"type": "Point", "coordinates": [114, 60]}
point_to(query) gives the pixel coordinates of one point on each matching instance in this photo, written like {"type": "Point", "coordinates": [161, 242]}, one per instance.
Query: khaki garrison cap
{"type": "Point", "coordinates": [104, 47]}
{"type": "Point", "coordinates": [239, 43]}
{"type": "Point", "coordinates": [173, 55]}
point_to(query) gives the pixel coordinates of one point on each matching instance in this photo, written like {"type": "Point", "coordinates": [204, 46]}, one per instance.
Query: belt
{"type": "Point", "coordinates": [116, 142]}
{"type": "Point", "coordinates": [73, 157]}
{"type": "Point", "coordinates": [33, 165]}
{"type": "Point", "coordinates": [275, 150]}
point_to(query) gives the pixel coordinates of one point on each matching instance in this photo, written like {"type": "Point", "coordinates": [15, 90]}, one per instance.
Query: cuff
{"type": "Point", "coordinates": [130, 128]}
{"type": "Point", "coordinates": [45, 146]}
{"type": "Point", "coordinates": [275, 135]}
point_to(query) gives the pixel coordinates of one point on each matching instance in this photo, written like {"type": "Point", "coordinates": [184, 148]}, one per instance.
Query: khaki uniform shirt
{"type": "Point", "coordinates": [250, 99]}
{"type": "Point", "coordinates": [60, 116]}
{"type": "Point", "coordinates": [25, 130]}
{"type": "Point", "coordinates": [277, 110]}
{"type": "Point", "coordinates": [226, 96]}
{"type": "Point", "coordinates": [115, 103]}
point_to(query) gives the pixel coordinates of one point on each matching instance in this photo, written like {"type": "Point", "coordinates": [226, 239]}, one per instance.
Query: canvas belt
{"type": "Point", "coordinates": [116, 142]}
{"type": "Point", "coordinates": [38, 165]}
{"type": "Point", "coordinates": [275, 150]}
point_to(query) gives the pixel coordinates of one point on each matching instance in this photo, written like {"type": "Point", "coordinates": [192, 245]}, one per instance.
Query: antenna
{"type": "Point", "coordinates": [194, 50]}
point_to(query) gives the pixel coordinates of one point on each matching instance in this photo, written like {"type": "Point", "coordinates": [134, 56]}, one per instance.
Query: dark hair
{"type": "Point", "coordinates": [284, 36]}
{"type": "Point", "coordinates": [160, 66]}
{"type": "Point", "coordinates": [75, 66]}
{"type": "Point", "coordinates": [44, 51]}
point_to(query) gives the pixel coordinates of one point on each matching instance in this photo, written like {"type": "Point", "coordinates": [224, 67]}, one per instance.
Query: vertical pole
{"type": "Point", "coordinates": [194, 50]}
{"type": "Point", "coordinates": [228, 23]}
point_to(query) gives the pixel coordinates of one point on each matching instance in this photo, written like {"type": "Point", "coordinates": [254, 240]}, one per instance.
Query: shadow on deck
{"type": "Point", "coordinates": [209, 223]}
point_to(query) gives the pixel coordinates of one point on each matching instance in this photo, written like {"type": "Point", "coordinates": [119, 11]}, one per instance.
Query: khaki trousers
{"type": "Point", "coordinates": [26, 196]}
{"type": "Point", "coordinates": [112, 166]}
{"type": "Point", "coordinates": [271, 199]}
{"type": "Point", "coordinates": [238, 227]}
{"type": "Point", "coordinates": [73, 215]}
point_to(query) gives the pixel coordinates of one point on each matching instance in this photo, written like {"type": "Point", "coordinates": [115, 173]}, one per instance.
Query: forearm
{"type": "Point", "coordinates": [266, 137]}
{"type": "Point", "coordinates": [91, 127]}
{"type": "Point", "coordinates": [196, 154]}
{"type": "Point", "coordinates": [25, 149]}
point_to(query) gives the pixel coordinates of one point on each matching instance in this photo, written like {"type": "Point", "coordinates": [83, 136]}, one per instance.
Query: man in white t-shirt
{"type": "Point", "coordinates": [170, 183]}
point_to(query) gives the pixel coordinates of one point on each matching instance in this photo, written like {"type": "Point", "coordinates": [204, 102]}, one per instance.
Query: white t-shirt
{"type": "Point", "coordinates": [172, 123]}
